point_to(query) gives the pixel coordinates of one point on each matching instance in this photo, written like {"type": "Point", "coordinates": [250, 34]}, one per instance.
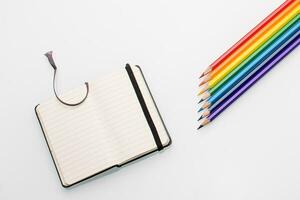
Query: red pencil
{"type": "Point", "coordinates": [242, 41]}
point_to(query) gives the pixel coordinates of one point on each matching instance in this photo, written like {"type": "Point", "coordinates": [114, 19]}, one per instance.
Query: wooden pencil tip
{"type": "Point", "coordinates": [207, 104]}
{"type": "Point", "coordinates": [201, 100]}
{"type": "Point", "coordinates": [204, 97]}
{"type": "Point", "coordinates": [209, 69]}
{"type": "Point", "coordinates": [200, 127]}
{"type": "Point", "coordinates": [201, 75]}
{"type": "Point", "coordinates": [205, 79]}
{"type": "Point", "coordinates": [202, 83]}
{"type": "Point", "coordinates": [204, 122]}
{"type": "Point", "coordinates": [200, 118]}
{"type": "Point", "coordinates": [203, 89]}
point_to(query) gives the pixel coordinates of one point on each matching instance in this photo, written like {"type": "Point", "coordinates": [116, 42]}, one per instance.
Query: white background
{"type": "Point", "coordinates": [250, 152]}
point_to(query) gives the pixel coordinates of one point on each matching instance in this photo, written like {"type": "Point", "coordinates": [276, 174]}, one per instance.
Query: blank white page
{"type": "Point", "coordinates": [109, 128]}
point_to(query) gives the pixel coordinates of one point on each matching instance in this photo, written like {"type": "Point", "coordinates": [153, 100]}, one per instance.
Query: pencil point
{"type": "Point", "coordinates": [203, 82]}
{"type": "Point", "coordinates": [200, 118]}
{"type": "Point", "coordinates": [205, 121]}
{"type": "Point", "coordinates": [204, 96]}
{"type": "Point", "coordinates": [200, 127]}
{"type": "Point", "coordinates": [209, 69]}
{"type": "Point", "coordinates": [207, 104]}
{"type": "Point", "coordinates": [205, 79]}
{"type": "Point", "coordinates": [200, 101]}
{"type": "Point", "coordinates": [203, 89]}
{"type": "Point", "coordinates": [200, 110]}
{"type": "Point", "coordinates": [201, 75]}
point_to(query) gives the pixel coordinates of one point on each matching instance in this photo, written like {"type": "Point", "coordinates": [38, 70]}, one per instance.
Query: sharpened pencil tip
{"type": "Point", "coordinates": [200, 101]}
{"type": "Point", "coordinates": [204, 88]}
{"type": "Point", "coordinates": [209, 69]}
{"type": "Point", "coordinates": [201, 92]}
{"type": "Point", "coordinates": [205, 79]}
{"type": "Point", "coordinates": [201, 75]}
{"type": "Point", "coordinates": [200, 127]}
{"type": "Point", "coordinates": [200, 110]}
{"type": "Point", "coordinates": [200, 118]}
{"type": "Point", "coordinates": [202, 83]}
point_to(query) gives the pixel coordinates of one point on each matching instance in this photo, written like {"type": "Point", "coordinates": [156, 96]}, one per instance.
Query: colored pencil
{"type": "Point", "coordinates": [254, 63]}
{"type": "Point", "coordinates": [209, 107]}
{"type": "Point", "coordinates": [253, 56]}
{"type": "Point", "coordinates": [254, 43]}
{"type": "Point", "coordinates": [251, 81]}
{"type": "Point", "coordinates": [250, 74]}
{"type": "Point", "coordinates": [249, 35]}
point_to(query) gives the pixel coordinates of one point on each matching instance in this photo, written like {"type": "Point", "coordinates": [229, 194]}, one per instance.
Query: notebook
{"type": "Point", "coordinates": [117, 123]}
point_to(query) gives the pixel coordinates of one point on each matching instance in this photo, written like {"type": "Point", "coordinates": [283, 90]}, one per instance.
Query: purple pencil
{"type": "Point", "coordinates": [251, 81]}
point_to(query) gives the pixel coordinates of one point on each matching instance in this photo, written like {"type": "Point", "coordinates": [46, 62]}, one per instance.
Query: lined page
{"type": "Point", "coordinates": [109, 128]}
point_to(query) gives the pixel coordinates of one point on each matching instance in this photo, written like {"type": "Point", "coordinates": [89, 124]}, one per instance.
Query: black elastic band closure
{"type": "Point", "coordinates": [52, 63]}
{"type": "Point", "coordinates": [144, 107]}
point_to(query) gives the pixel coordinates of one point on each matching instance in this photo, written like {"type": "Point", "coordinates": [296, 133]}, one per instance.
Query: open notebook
{"type": "Point", "coordinates": [118, 123]}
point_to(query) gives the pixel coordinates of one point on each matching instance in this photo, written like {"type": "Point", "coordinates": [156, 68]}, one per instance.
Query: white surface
{"type": "Point", "coordinates": [250, 152]}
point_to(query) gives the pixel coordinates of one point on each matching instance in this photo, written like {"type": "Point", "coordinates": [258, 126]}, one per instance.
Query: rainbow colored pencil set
{"type": "Point", "coordinates": [233, 73]}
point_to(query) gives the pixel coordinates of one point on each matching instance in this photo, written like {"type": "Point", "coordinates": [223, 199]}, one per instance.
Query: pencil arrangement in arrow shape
{"type": "Point", "coordinates": [248, 60]}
